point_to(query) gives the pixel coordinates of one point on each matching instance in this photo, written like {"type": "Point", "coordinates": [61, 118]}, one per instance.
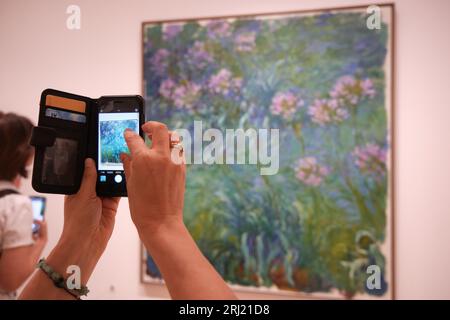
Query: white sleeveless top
{"type": "Point", "coordinates": [16, 219]}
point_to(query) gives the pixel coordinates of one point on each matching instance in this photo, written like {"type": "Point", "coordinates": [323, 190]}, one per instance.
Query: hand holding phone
{"type": "Point", "coordinates": [72, 128]}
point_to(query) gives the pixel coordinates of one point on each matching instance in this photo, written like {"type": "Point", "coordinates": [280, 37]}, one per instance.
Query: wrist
{"type": "Point", "coordinates": [38, 248]}
{"type": "Point", "coordinates": [162, 223]}
{"type": "Point", "coordinates": [150, 233]}
{"type": "Point", "coordinates": [79, 253]}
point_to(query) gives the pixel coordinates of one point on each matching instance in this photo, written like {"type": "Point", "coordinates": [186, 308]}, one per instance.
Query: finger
{"type": "Point", "coordinates": [134, 142]}
{"type": "Point", "coordinates": [89, 179]}
{"type": "Point", "coordinates": [115, 200]}
{"type": "Point", "coordinates": [42, 230]}
{"type": "Point", "coordinates": [38, 230]}
{"type": "Point", "coordinates": [38, 222]}
{"type": "Point", "coordinates": [174, 137]}
{"type": "Point", "coordinates": [111, 204]}
{"type": "Point", "coordinates": [109, 211]}
{"type": "Point", "coordinates": [177, 156]}
{"type": "Point", "coordinates": [159, 134]}
{"type": "Point", "coordinates": [126, 160]}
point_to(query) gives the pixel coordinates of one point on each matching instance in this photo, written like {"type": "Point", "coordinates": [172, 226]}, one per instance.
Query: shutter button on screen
{"type": "Point", "coordinates": [118, 178]}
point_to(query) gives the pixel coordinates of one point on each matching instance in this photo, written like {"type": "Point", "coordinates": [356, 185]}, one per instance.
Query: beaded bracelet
{"type": "Point", "coordinates": [59, 281]}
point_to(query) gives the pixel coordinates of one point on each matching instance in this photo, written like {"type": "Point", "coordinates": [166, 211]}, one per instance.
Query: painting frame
{"type": "Point", "coordinates": [390, 88]}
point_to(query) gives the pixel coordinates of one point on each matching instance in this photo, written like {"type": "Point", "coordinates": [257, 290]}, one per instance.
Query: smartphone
{"type": "Point", "coordinates": [38, 205]}
{"type": "Point", "coordinates": [115, 114]}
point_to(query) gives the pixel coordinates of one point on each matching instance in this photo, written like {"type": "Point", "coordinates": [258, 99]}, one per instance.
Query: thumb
{"type": "Point", "coordinates": [134, 142]}
{"type": "Point", "coordinates": [89, 179]}
{"type": "Point", "coordinates": [126, 160]}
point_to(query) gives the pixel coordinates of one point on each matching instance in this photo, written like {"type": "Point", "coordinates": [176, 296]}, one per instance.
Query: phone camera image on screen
{"type": "Point", "coordinates": [114, 117]}
{"type": "Point", "coordinates": [111, 141]}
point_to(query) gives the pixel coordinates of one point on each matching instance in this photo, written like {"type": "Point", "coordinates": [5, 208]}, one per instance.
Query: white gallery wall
{"type": "Point", "coordinates": [37, 51]}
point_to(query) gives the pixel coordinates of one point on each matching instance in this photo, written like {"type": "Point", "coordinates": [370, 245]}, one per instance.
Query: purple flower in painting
{"type": "Point", "coordinates": [224, 83]}
{"type": "Point", "coordinates": [170, 31]}
{"type": "Point", "coordinates": [310, 172]}
{"type": "Point", "coordinates": [285, 104]}
{"type": "Point", "coordinates": [186, 95]}
{"type": "Point", "coordinates": [198, 56]}
{"type": "Point", "coordinates": [370, 159]}
{"type": "Point", "coordinates": [218, 29]}
{"type": "Point", "coordinates": [325, 111]}
{"type": "Point", "coordinates": [245, 41]}
{"type": "Point", "coordinates": [166, 88]}
{"type": "Point", "coordinates": [367, 88]}
{"type": "Point", "coordinates": [183, 95]}
{"type": "Point", "coordinates": [349, 90]}
{"type": "Point", "coordinates": [160, 61]}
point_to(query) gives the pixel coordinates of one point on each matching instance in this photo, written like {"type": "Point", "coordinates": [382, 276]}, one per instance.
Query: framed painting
{"type": "Point", "coordinates": [322, 226]}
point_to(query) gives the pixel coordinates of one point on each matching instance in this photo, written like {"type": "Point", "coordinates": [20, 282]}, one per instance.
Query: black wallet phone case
{"type": "Point", "coordinates": [65, 136]}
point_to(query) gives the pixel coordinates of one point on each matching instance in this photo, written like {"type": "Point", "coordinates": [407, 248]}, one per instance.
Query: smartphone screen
{"type": "Point", "coordinates": [115, 115]}
{"type": "Point", "coordinates": [38, 205]}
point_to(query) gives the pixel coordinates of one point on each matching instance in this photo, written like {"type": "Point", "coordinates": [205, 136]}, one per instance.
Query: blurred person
{"type": "Point", "coordinates": [19, 248]}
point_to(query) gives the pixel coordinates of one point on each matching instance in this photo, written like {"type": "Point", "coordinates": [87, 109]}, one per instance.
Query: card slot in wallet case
{"type": "Point", "coordinates": [61, 141]}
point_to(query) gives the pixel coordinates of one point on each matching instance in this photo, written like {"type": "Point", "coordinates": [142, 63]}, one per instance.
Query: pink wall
{"type": "Point", "coordinates": [104, 57]}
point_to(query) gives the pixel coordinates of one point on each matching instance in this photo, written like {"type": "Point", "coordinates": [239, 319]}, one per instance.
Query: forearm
{"type": "Point", "coordinates": [35, 252]}
{"type": "Point", "coordinates": [64, 254]}
{"type": "Point", "coordinates": [187, 273]}
{"type": "Point", "coordinates": [17, 264]}
{"type": "Point", "coordinates": [35, 255]}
